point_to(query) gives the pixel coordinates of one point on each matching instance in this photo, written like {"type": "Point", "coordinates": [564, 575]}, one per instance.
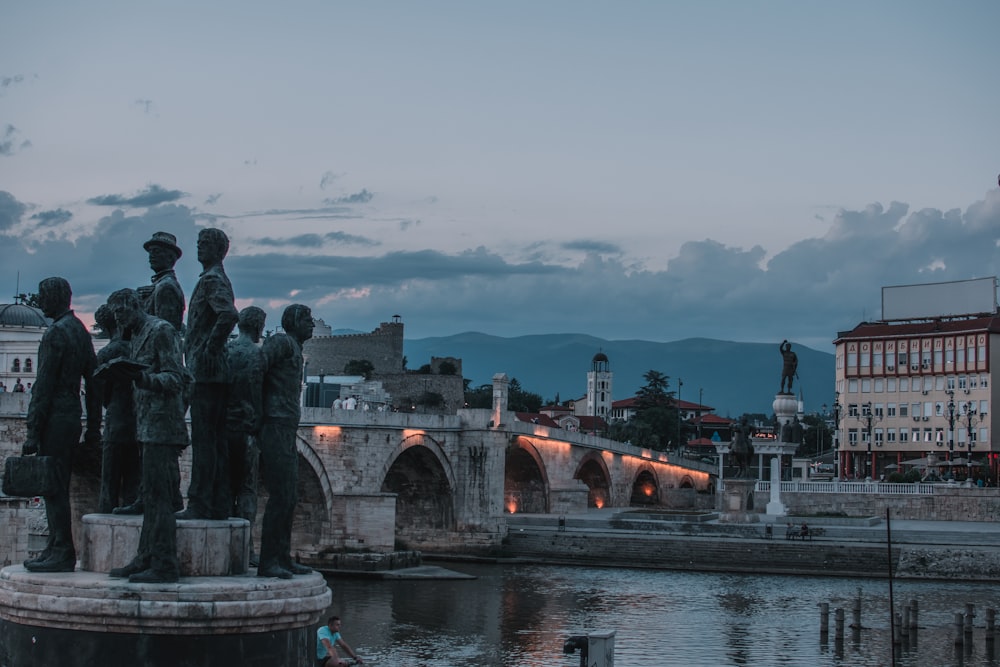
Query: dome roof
{"type": "Point", "coordinates": [600, 356]}
{"type": "Point", "coordinates": [20, 315]}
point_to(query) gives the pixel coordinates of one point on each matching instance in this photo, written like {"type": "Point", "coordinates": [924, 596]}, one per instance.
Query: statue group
{"type": "Point", "coordinates": [243, 397]}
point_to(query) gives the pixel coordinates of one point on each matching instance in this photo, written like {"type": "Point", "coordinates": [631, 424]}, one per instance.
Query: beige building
{"type": "Point", "coordinates": [910, 390]}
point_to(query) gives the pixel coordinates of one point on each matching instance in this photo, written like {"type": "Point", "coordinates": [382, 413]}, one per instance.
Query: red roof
{"type": "Point", "coordinates": [713, 419]}
{"type": "Point", "coordinates": [535, 418]}
{"type": "Point", "coordinates": [989, 324]}
{"type": "Point", "coordinates": [687, 406]}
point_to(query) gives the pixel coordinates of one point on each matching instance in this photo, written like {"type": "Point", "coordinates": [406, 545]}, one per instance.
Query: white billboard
{"type": "Point", "coordinates": [920, 302]}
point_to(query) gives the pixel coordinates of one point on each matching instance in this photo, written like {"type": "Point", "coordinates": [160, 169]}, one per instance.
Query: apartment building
{"type": "Point", "coordinates": [909, 388]}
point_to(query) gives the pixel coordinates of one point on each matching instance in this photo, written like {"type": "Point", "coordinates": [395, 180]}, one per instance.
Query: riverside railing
{"type": "Point", "coordinates": [873, 488]}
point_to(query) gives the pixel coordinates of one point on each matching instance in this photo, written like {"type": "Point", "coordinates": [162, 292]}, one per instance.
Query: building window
{"type": "Point", "coordinates": [951, 383]}
{"type": "Point", "coordinates": [904, 384]}
{"type": "Point", "coordinates": [852, 359]}
{"type": "Point", "coordinates": [852, 387]}
{"type": "Point", "coordinates": [916, 435]}
{"type": "Point", "coordinates": [877, 360]}
{"type": "Point", "coordinates": [928, 383]}
{"type": "Point", "coordinates": [928, 409]}
{"type": "Point", "coordinates": [878, 410]}
{"type": "Point", "coordinates": [961, 382]}
{"type": "Point", "coordinates": [938, 409]}
{"type": "Point", "coordinates": [937, 358]}
{"type": "Point", "coordinates": [925, 360]}
{"type": "Point", "coordinates": [973, 381]}
{"type": "Point", "coordinates": [866, 360]}
{"type": "Point", "coordinates": [890, 409]}
{"type": "Point", "coordinates": [915, 409]}
{"type": "Point", "coordinates": [852, 437]}
{"type": "Point", "coordinates": [879, 385]}
{"type": "Point", "coordinates": [984, 381]}
{"type": "Point", "coordinates": [902, 360]}
{"type": "Point", "coordinates": [890, 435]}
{"type": "Point", "coordinates": [970, 355]}
{"type": "Point", "coordinates": [927, 434]}
{"type": "Point", "coordinates": [16, 366]}
{"type": "Point", "coordinates": [866, 386]}
{"type": "Point", "coordinates": [890, 384]}
{"type": "Point", "coordinates": [984, 407]}
{"type": "Point", "coordinates": [939, 383]}
{"type": "Point", "coordinates": [878, 437]}
{"type": "Point", "coordinates": [984, 435]}
{"type": "Point", "coordinates": [852, 409]}
{"type": "Point", "coordinates": [904, 409]}
{"type": "Point", "coordinates": [949, 356]}
{"type": "Point", "coordinates": [27, 365]}
{"type": "Point", "coordinates": [982, 352]}
{"type": "Point", "coordinates": [904, 435]}
{"type": "Point", "coordinates": [939, 435]}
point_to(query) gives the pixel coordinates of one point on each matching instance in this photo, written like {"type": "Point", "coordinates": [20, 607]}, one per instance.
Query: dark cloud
{"type": "Point", "coordinates": [153, 195]}
{"type": "Point", "coordinates": [11, 210]}
{"type": "Point", "coordinates": [7, 81]}
{"type": "Point", "coordinates": [362, 197]}
{"type": "Point", "coordinates": [805, 293]}
{"type": "Point", "coordinates": [52, 218]}
{"type": "Point", "coordinates": [406, 224]}
{"type": "Point", "coordinates": [601, 247]}
{"type": "Point", "coordinates": [211, 199]}
{"type": "Point", "coordinates": [12, 141]}
{"type": "Point", "coordinates": [327, 179]}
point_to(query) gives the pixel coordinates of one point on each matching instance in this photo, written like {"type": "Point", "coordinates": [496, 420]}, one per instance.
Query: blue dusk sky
{"type": "Point", "coordinates": [748, 171]}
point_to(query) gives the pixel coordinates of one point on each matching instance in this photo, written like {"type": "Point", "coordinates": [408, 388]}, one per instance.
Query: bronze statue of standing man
{"type": "Point", "coordinates": [211, 317]}
{"type": "Point", "coordinates": [279, 462]}
{"type": "Point", "coordinates": [65, 357]}
{"type": "Point", "coordinates": [789, 366]}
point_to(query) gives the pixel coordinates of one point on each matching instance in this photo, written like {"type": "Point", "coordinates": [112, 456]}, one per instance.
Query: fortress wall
{"type": "Point", "coordinates": [383, 347]}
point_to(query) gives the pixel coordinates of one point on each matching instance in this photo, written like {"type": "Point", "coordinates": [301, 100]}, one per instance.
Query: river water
{"type": "Point", "coordinates": [520, 615]}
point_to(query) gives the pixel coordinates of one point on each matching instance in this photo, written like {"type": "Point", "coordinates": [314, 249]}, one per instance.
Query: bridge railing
{"type": "Point", "coordinates": [879, 488]}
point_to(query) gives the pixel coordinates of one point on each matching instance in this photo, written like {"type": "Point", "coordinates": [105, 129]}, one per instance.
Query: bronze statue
{"type": "Point", "coordinates": [278, 456]}
{"type": "Point", "coordinates": [156, 368]}
{"type": "Point", "coordinates": [243, 415]}
{"type": "Point", "coordinates": [164, 298]}
{"type": "Point", "coordinates": [211, 316]}
{"type": "Point", "coordinates": [65, 357]}
{"type": "Point", "coordinates": [789, 366]}
{"type": "Point", "coordinates": [742, 448]}
{"type": "Point", "coordinates": [120, 466]}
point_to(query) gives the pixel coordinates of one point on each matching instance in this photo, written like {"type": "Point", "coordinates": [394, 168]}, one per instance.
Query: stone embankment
{"type": "Point", "coordinates": [920, 549]}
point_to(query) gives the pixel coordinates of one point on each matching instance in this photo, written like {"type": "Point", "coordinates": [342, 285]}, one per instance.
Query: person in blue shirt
{"type": "Point", "coordinates": [327, 638]}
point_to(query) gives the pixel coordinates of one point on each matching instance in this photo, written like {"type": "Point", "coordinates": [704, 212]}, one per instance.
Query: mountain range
{"type": "Point", "coordinates": [733, 378]}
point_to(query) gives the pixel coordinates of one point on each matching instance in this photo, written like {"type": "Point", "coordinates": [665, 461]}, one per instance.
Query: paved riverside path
{"type": "Point", "coordinates": [950, 550]}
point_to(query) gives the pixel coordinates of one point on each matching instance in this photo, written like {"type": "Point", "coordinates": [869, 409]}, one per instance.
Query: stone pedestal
{"type": "Point", "coordinates": [204, 548]}
{"type": "Point", "coordinates": [738, 502]}
{"type": "Point", "coordinates": [84, 618]}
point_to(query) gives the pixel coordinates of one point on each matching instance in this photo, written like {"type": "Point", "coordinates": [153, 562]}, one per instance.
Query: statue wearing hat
{"type": "Point", "coordinates": [164, 298]}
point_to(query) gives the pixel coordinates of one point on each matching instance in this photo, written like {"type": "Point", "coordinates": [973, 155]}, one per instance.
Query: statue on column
{"type": "Point", "coordinates": [789, 366]}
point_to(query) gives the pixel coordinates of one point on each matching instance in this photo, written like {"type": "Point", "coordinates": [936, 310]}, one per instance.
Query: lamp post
{"type": "Point", "coordinates": [680, 383]}
{"type": "Point", "coordinates": [819, 440]}
{"type": "Point", "coordinates": [868, 419]}
{"type": "Point", "coordinates": [970, 421]}
{"type": "Point", "coordinates": [836, 431]}
{"type": "Point", "coordinates": [951, 429]}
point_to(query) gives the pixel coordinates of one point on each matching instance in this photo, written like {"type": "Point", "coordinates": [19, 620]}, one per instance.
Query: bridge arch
{"type": "Point", "coordinates": [418, 472]}
{"type": "Point", "coordinates": [525, 480]}
{"type": "Point", "coordinates": [645, 487]}
{"type": "Point", "coordinates": [593, 471]}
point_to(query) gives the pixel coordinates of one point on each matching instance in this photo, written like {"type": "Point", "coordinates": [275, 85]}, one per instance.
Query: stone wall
{"type": "Point", "coordinates": [383, 347]}
{"type": "Point", "coordinates": [947, 503]}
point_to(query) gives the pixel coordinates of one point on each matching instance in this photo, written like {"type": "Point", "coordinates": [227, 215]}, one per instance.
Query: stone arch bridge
{"type": "Point", "coordinates": [383, 481]}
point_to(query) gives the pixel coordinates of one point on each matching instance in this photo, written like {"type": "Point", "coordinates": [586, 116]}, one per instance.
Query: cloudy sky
{"type": "Point", "coordinates": [657, 170]}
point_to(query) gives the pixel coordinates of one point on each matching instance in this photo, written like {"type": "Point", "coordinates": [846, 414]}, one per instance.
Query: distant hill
{"type": "Point", "coordinates": [734, 377]}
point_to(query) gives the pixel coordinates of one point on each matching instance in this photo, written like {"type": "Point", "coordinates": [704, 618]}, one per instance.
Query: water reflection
{"type": "Point", "coordinates": [521, 615]}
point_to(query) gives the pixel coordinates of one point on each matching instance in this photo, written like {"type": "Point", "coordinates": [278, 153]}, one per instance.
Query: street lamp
{"type": "Point", "coordinates": [680, 383]}
{"type": "Point", "coordinates": [951, 428]}
{"type": "Point", "coordinates": [970, 419]}
{"type": "Point", "coordinates": [836, 430]}
{"type": "Point", "coordinates": [868, 418]}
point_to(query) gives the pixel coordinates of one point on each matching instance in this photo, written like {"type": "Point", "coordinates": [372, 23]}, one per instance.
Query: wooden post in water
{"type": "Point", "coordinates": [856, 612]}
{"type": "Point", "coordinates": [959, 623]}
{"type": "Point", "coordinates": [838, 623]}
{"type": "Point", "coordinates": [824, 620]}
{"type": "Point", "coordinates": [904, 626]}
{"type": "Point", "coordinates": [913, 615]}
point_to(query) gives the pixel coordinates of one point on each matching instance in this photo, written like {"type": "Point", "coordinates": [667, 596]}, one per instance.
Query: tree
{"type": "Point", "coordinates": [361, 367]}
{"type": "Point", "coordinates": [519, 400]}
{"type": "Point", "coordinates": [447, 368]}
{"type": "Point", "coordinates": [481, 397]}
{"type": "Point", "coordinates": [30, 299]}
{"type": "Point", "coordinates": [655, 423]}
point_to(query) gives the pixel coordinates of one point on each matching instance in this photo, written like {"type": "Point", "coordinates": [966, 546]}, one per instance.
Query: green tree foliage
{"type": "Point", "coordinates": [654, 425]}
{"type": "Point", "coordinates": [30, 299]}
{"type": "Point", "coordinates": [447, 368]}
{"type": "Point", "coordinates": [359, 367]}
{"type": "Point", "coordinates": [518, 399]}
{"type": "Point", "coordinates": [816, 437]}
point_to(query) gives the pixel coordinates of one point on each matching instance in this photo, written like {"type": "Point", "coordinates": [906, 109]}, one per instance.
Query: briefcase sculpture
{"type": "Point", "coordinates": [29, 476]}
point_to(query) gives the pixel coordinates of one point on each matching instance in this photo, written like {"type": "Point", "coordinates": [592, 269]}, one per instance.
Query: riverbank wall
{"type": "Point", "coordinates": [920, 550]}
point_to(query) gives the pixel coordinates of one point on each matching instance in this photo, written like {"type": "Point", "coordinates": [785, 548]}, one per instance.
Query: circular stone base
{"type": "Point", "coordinates": [204, 548]}
{"type": "Point", "coordinates": [94, 602]}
